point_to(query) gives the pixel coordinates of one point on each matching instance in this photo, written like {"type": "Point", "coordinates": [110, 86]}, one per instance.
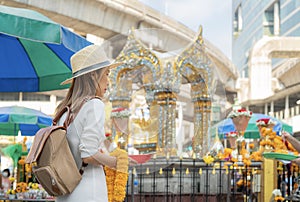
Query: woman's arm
{"type": "Point", "coordinates": [292, 140]}
{"type": "Point", "coordinates": [101, 159]}
{"type": "Point", "coordinates": [93, 129]}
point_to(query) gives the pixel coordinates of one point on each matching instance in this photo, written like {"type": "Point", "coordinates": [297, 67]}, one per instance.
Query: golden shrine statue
{"type": "Point", "coordinates": [149, 65]}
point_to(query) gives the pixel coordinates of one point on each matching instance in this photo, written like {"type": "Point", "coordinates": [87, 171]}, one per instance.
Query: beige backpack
{"type": "Point", "coordinates": [52, 161]}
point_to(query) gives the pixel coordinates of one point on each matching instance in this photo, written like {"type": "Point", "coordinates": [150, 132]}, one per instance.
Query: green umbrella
{"type": "Point", "coordinates": [15, 118]}
{"type": "Point", "coordinates": [34, 51]}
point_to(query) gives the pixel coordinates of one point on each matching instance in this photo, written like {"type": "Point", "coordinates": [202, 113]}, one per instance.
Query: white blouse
{"type": "Point", "coordinates": [85, 136]}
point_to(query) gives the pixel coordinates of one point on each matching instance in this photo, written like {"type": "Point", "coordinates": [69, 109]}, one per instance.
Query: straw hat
{"type": "Point", "coordinates": [89, 59]}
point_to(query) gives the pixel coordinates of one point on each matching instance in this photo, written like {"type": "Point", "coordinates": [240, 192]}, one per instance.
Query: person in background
{"type": "Point", "coordinates": [85, 133]}
{"type": "Point", "coordinates": [5, 180]}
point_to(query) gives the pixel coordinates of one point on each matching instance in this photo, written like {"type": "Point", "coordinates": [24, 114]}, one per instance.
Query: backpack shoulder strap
{"type": "Point", "coordinates": [58, 116]}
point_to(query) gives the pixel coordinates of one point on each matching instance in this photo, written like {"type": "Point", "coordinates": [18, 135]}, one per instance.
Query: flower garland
{"type": "Point", "coordinates": [265, 122]}
{"type": "Point", "coordinates": [232, 134]}
{"type": "Point", "coordinates": [271, 141]}
{"type": "Point", "coordinates": [116, 179]}
{"type": "Point", "coordinates": [240, 112]}
{"type": "Point", "coordinates": [120, 113]}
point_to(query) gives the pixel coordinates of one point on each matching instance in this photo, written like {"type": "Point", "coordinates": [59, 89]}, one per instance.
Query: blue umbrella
{"type": "Point", "coordinates": [14, 119]}
{"type": "Point", "coordinates": [34, 51]}
{"type": "Point", "coordinates": [225, 126]}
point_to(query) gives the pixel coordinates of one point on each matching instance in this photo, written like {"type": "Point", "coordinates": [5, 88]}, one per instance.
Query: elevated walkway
{"type": "Point", "coordinates": [106, 19]}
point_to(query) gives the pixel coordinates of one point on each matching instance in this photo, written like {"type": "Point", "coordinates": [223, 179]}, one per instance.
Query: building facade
{"type": "Point", "coordinates": [266, 54]}
{"type": "Point", "coordinates": [254, 20]}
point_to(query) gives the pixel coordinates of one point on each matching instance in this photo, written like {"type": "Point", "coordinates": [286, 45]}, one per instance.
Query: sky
{"type": "Point", "coordinates": [213, 15]}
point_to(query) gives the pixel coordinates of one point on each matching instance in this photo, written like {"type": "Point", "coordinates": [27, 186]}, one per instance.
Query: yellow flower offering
{"type": "Point", "coordinates": [12, 179]}
{"type": "Point", "coordinates": [208, 159]}
{"type": "Point", "coordinates": [116, 179]}
{"type": "Point", "coordinates": [279, 198]}
{"type": "Point", "coordinates": [33, 185]}
{"type": "Point", "coordinates": [21, 187]}
{"type": "Point", "coordinates": [10, 191]}
{"type": "Point", "coordinates": [251, 145]}
{"type": "Point", "coordinates": [21, 161]}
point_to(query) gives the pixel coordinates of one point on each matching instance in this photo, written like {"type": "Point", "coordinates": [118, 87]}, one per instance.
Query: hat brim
{"type": "Point", "coordinates": [70, 80]}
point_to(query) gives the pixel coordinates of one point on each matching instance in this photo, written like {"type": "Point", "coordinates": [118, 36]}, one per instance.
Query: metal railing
{"type": "Point", "coordinates": [190, 179]}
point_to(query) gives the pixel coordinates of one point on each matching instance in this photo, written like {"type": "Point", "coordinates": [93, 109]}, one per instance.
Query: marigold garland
{"type": "Point", "coordinates": [275, 143]}
{"type": "Point", "coordinates": [116, 179]}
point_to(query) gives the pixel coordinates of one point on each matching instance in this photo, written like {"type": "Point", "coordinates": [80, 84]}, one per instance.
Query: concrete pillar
{"type": "Point", "coordinates": [53, 100]}
{"type": "Point", "coordinates": [53, 103]}
{"type": "Point", "coordinates": [276, 19]}
{"type": "Point", "coordinates": [286, 109]}
{"type": "Point", "coordinates": [272, 107]}
{"type": "Point", "coordinates": [260, 72]}
{"type": "Point", "coordinates": [271, 113]}
{"type": "Point", "coordinates": [20, 97]}
{"type": "Point", "coordinates": [266, 108]}
{"type": "Point", "coordinates": [293, 111]}
{"type": "Point", "coordinates": [280, 115]}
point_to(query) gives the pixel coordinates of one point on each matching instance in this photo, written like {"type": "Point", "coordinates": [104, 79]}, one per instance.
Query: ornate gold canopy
{"type": "Point", "coordinates": [160, 73]}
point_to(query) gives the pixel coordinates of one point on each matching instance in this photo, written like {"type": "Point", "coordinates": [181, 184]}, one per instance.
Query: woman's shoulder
{"type": "Point", "coordinates": [90, 107]}
{"type": "Point", "coordinates": [93, 103]}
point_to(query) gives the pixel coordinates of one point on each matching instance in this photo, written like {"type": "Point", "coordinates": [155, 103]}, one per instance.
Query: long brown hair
{"type": "Point", "coordinates": [82, 87]}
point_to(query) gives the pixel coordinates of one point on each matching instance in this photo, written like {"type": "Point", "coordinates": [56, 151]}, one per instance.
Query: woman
{"type": "Point", "coordinates": [85, 133]}
{"type": "Point", "coordinates": [5, 183]}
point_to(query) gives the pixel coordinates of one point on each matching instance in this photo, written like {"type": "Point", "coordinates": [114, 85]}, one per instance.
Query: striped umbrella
{"type": "Point", "coordinates": [34, 51]}
{"type": "Point", "coordinates": [226, 126]}
{"type": "Point", "coordinates": [15, 118]}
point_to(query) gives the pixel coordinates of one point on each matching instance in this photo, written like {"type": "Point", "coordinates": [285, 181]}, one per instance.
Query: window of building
{"type": "Point", "coordinates": [59, 98]}
{"type": "Point", "coordinates": [9, 96]}
{"type": "Point", "coordinates": [238, 20]}
{"type": "Point", "coordinates": [271, 20]}
{"type": "Point", "coordinates": [35, 97]}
